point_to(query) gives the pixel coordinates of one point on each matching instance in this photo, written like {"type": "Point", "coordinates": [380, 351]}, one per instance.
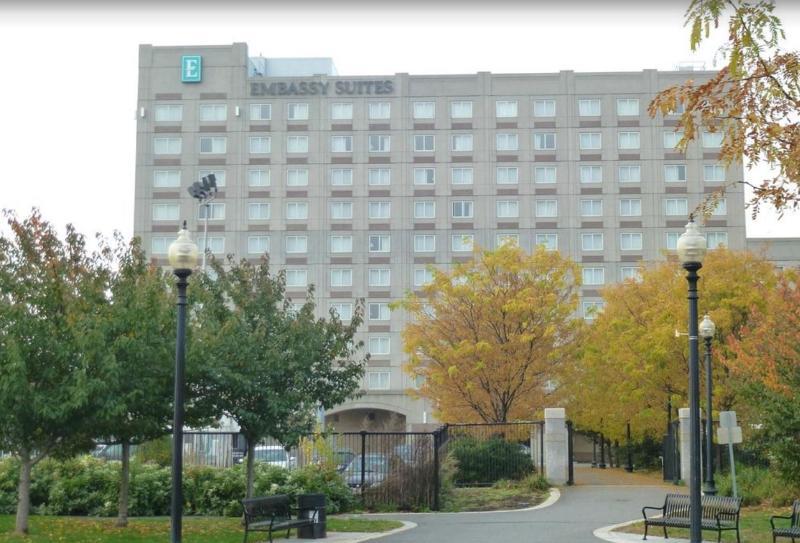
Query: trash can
{"type": "Point", "coordinates": [306, 505]}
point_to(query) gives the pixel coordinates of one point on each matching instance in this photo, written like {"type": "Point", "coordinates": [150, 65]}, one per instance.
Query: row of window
{"type": "Point", "coordinates": [381, 143]}
{"type": "Point", "coordinates": [343, 111]}
{"type": "Point", "coordinates": [504, 175]}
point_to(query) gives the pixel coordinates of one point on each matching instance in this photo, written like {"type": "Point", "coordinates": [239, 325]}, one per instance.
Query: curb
{"type": "Point", "coordinates": [605, 533]}
{"type": "Point", "coordinates": [407, 525]}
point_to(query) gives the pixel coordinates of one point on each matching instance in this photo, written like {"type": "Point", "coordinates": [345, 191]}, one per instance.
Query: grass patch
{"type": "Point", "coordinates": [195, 529]}
{"type": "Point", "coordinates": [501, 495]}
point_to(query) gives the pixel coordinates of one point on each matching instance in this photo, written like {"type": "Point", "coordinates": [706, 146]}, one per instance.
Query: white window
{"type": "Point", "coordinates": [713, 139]}
{"type": "Point", "coordinates": [159, 245]}
{"type": "Point", "coordinates": [462, 209]}
{"type": "Point", "coordinates": [721, 207]}
{"type": "Point", "coordinates": [167, 146]}
{"type": "Point", "coordinates": [166, 212]}
{"type": "Point", "coordinates": [341, 111]}
{"type": "Point", "coordinates": [547, 208]}
{"type": "Point", "coordinates": [425, 209]}
{"type": "Point", "coordinates": [591, 208]}
{"type": "Point", "coordinates": [716, 239]}
{"type": "Point", "coordinates": [461, 176]}
{"type": "Point", "coordinates": [258, 178]}
{"type": "Point", "coordinates": [258, 211]}
{"type": "Point", "coordinates": [167, 178]}
{"type": "Point", "coordinates": [424, 110]}
{"type": "Point", "coordinates": [548, 241]}
{"type": "Point", "coordinates": [629, 174]}
{"type": "Point", "coordinates": [507, 175]}
{"type": "Point", "coordinates": [260, 144]}
{"type": "Point", "coordinates": [260, 112]}
{"type": "Point", "coordinates": [672, 240]}
{"type": "Point", "coordinates": [297, 210]}
{"type": "Point", "coordinates": [628, 140]}
{"type": "Point", "coordinates": [341, 177]}
{"type": "Point", "coordinates": [379, 210]}
{"type": "Point", "coordinates": [214, 211]}
{"type": "Point", "coordinates": [379, 110]}
{"type": "Point", "coordinates": [343, 310]}
{"type": "Point", "coordinates": [219, 175]}
{"type": "Point", "coordinates": [297, 177]}
{"type": "Point", "coordinates": [341, 244]}
{"type": "Point", "coordinates": [341, 210]}
{"type": "Point", "coordinates": [461, 142]}
{"type": "Point", "coordinates": [630, 207]}
{"type": "Point", "coordinates": [629, 272]}
{"type": "Point", "coordinates": [257, 245]}
{"type": "Point", "coordinates": [676, 206]}
{"type": "Point", "coordinates": [590, 140]}
{"type": "Point", "coordinates": [675, 173]}
{"type": "Point", "coordinates": [713, 173]}
{"type": "Point", "coordinates": [544, 141]}
{"type": "Point", "coordinates": [461, 110]}
{"type": "Point", "coordinates": [506, 238]}
{"type": "Point", "coordinates": [544, 174]}
{"type": "Point", "coordinates": [544, 108]}
{"type": "Point", "coordinates": [592, 241]}
{"type": "Point", "coordinates": [507, 209]}
{"type": "Point", "coordinates": [594, 276]}
{"type": "Point", "coordinates": [423, 143]}
{"type": "Point", "coordinates": [379, 243]}
{"type": "Point", "coordinates": [591, 309]}
{"type": "Point", "coordinates": [169, 113]}
{"type": "Point", "coordinates": [296, 244]}
{"type": "Point", "coordinates": [627, 106]}
{"type": "Point", "coordinates": [213, 144]}
{"type": "Point", "coordinates": [297, 112]}
{"type": "Point", "coordinates": [342, 278]}
{"type": "Point", "coordinates": [379, 277]}
{"type": "Point", "coordinates": [424, 176]}
{"type": "Point", "coordinates": [297, 144]}
{"type": "Point", "coordinates": [379, 311]}
{"type": "Point", "coordinates": [590, 174]}
{"type": "Point", "coordinates": [679, 109]}
{"type": "Point", "coordinates": [213, 112]}
{"type": "Point", "coordinates": [462, 242]}
{"type": "Point", "coordinates": [214, 244]}
{"type": "Point", "coordinates": [630, 241]}
{"type": "Point", "coordinates": [377, 380]}
{"type": "Point", "coordinates": [424, 243]}
{"type": "Point", "coordinates": [379, 176]}
{"type": "Point", "coordinates": [671, 139]}
{"type": "Point", "coordinates": [589, 107]}
{"type": "Point", "coordinates": [422, 276]}
{"type": "Point", "coordinates": [296, 278]}
{"type": "Point", "coordinates": [507, 142]}
{"type": "Point", "coordinates": [379, 144]}
{"type": "Point", "coordinates": [506, 108]}
{"type": "Point", "coordinates": [341, 144]}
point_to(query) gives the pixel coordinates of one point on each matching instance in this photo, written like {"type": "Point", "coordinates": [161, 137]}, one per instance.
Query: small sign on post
{"type": "Point", "coordinates": [729, 433]}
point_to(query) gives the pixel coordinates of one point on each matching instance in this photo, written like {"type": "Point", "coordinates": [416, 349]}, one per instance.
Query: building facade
{"type": "Point", "coordinates": [359, 184]}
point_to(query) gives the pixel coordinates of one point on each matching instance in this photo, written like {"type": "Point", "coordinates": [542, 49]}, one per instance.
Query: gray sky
{"type": "Point", "coordinates": [69, 73]}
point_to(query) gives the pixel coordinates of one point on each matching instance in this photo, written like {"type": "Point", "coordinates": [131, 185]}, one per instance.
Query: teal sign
{"type": "Point", "coordinates": [191, 68]}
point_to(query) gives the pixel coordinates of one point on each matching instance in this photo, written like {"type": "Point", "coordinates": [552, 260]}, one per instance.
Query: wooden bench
{"type": "Point", "coordinates": [272, 513]}
{"type": "Point", "coordinates": [719, 513]}
{"type": "Point", "coordinates": [793, 530]}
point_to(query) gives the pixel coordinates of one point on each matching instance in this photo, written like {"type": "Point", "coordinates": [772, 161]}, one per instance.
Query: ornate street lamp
{"type": "Point", "coordinates": [691, 251]}
{"type": "Point", "coordinates": [182, 258]}
{"type": "Point", "coordinates": [707, 329]}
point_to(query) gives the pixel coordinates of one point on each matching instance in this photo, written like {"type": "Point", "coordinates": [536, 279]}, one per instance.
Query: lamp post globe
{"type": "Point", "coordinates": [691, 251]}
{"type": "Point", "coordinates": [183, 258]}
{"type": "Point", "coordinates": [707, 329]}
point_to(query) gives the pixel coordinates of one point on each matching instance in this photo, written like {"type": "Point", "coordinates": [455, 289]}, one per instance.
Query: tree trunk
{"type": "Point", "coordinates": [124, 484]}
{"type": "Point", "coordinates": [251, 453]}
{"type": "Point", "coordinates": [24, 493]}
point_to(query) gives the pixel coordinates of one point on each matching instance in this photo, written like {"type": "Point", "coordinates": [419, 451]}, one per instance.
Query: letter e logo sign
{"type": "Point", "coordinates": [191, 68]}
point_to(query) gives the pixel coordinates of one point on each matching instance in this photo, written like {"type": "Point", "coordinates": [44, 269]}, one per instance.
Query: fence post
{"type": "Point", "coordinates": [629, 452]}
{"type": "Point", "coordinates": [571, 453]}
{"type": "Point", "coordinates": [437, 486]}
{"type": "Point", "coordinates": [602, 464]}
{"type": "Point", "coordinates": [363, 462]}
{"type": "Point", "coordinates": [541, 449]}
{"type": "Point", "coordinates": [556, 443]}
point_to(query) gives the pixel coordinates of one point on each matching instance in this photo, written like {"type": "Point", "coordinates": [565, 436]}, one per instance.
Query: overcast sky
{"type": "Point", "coordinates": [69, 74]}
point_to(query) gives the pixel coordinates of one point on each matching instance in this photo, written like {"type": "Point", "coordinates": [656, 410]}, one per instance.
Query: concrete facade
{"type": "Point", "coordinates": [357, 184]}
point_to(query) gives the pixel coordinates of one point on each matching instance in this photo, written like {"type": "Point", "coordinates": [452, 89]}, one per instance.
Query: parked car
{"type": "Point", "coordinates": [274, 455]}
{"type": "Point", "coordinates": [376, 466]}
{"type": "Point", "coordinates": [343, 458]}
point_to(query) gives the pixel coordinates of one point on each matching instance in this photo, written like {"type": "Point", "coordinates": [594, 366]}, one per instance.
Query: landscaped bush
{"type": "Point", "coordinates": [758, 485]}
{"type": "Point", "coordinates": [488, 461]}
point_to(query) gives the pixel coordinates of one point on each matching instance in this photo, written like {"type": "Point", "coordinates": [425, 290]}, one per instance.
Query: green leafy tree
{"type": "Point", "coordinates": [270, 365]}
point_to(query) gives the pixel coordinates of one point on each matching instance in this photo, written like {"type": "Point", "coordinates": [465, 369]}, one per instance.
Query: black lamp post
{"type": "Point", "coordinates": [182, 258]}
{"type": "Point", "coordinates": [691, 250]}
{"type": "Point", "coordinates": [707, 329]}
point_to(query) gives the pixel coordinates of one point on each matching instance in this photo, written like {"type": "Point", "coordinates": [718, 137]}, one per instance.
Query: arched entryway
{"type": "Point", "coordinates": [371, 419]}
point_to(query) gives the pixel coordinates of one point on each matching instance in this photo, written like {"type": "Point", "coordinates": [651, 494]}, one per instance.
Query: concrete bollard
{"type": "Point", "coordinates": [556, 445]}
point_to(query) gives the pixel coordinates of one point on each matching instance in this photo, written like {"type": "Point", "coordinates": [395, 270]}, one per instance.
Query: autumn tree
{"type": "Point", "coordinates": [491, 334]}
{"type": "Point", "coordinates": [754, 100]}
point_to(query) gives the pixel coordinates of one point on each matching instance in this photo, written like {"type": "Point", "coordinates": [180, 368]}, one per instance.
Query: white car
{"type": "Point", "coordinates": [274, 455]}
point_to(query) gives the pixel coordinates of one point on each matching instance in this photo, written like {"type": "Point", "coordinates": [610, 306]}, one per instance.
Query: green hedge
{"type": "Point", "coordinates": [488, 461]}
{"type": "Point", "coordinates": [89, 486]}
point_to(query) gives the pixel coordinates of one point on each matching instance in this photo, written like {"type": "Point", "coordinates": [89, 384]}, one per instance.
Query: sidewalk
{"type": "Point", "coordinates": [357, 537]}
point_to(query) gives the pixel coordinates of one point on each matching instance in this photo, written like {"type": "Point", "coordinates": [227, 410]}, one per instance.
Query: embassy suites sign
{"type": "Point", "coordinates": [323, 88]}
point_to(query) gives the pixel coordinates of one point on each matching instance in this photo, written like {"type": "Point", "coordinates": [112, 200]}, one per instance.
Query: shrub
{"type": "Point", "coordinates": [758, 485]}
{"type": "Point", "coordinates": [488, 461]}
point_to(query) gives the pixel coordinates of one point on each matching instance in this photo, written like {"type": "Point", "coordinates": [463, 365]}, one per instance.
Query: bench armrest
{"type": "Point", "coordinates": [652, 508]}
{"type": "Point", "coordinates": [773, 517]}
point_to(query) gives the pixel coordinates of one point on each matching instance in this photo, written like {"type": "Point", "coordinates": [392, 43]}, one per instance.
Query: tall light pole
{"type": "Point", "coordinates": [707, 329]}
{"type": "Point", "coordinates": [204, 193]}
{"type": "Point", "coordinates": [691, 251]}
{"type": "Point", "coordinates": [182, 258]}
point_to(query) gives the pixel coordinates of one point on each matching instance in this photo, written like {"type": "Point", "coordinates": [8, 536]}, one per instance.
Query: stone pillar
{"type": "Point", "coordinates": [684, 438]}
{"type": "Point", "coordinates": [556, 445]}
